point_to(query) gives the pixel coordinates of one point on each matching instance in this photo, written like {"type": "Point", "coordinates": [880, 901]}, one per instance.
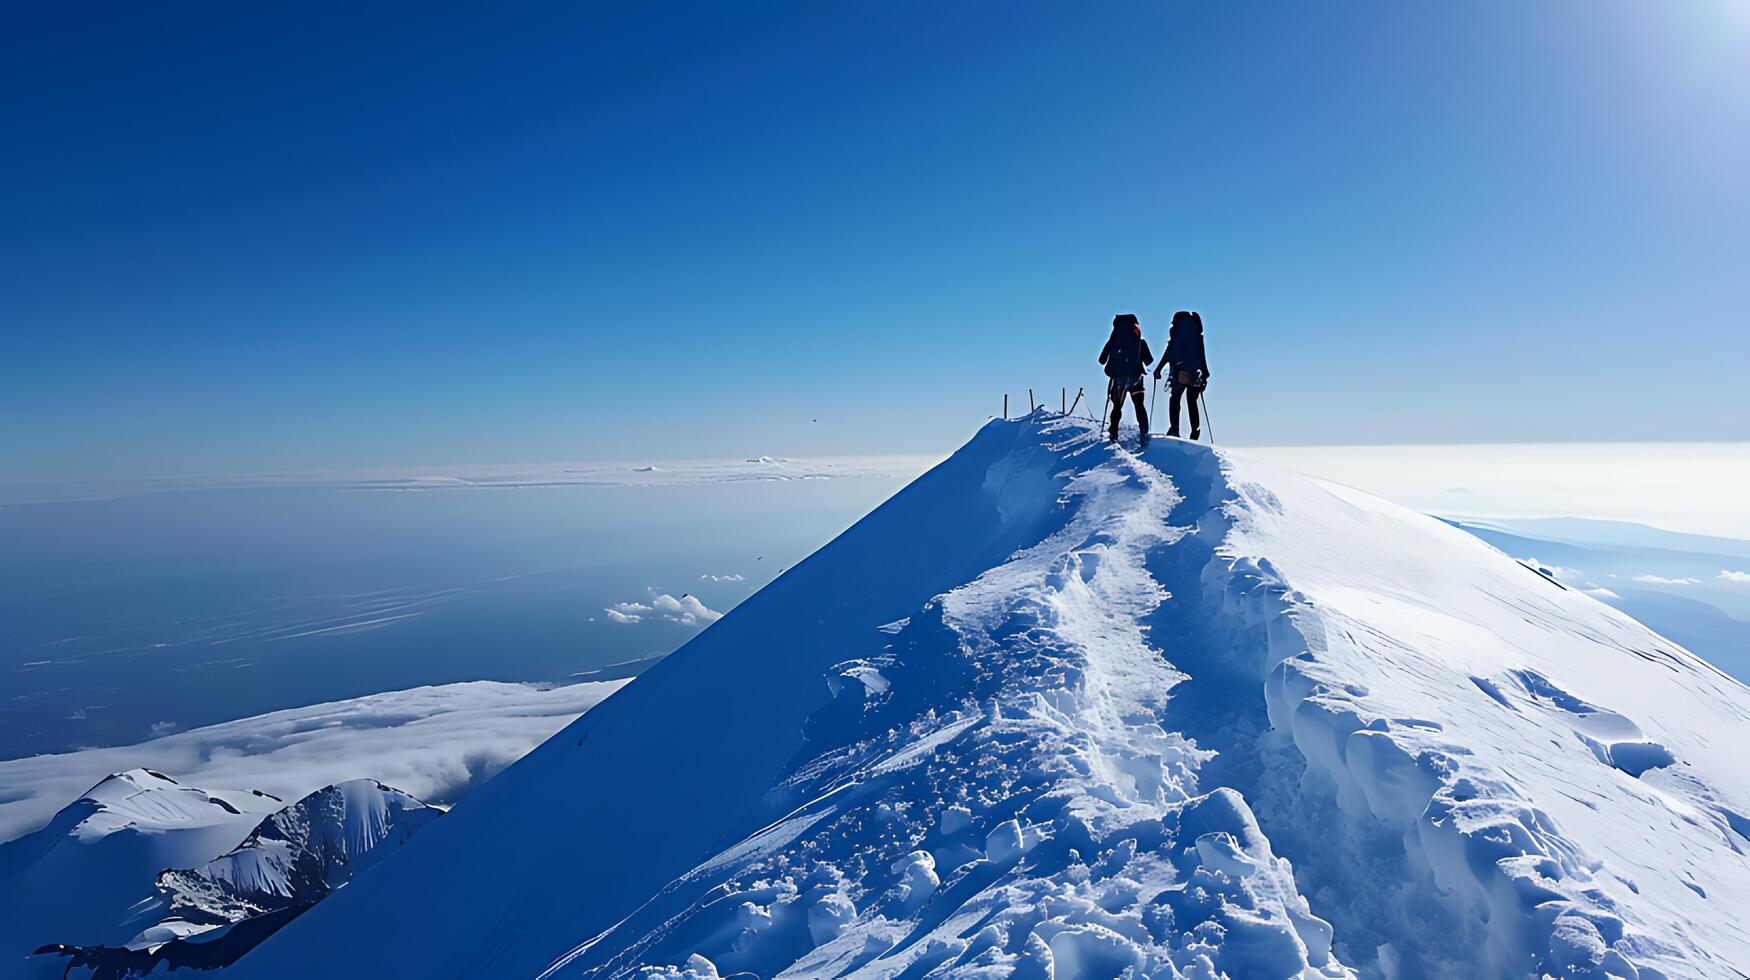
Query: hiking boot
{"type": "Point", "coordinates": [1194, 434]}
{"type": "Point", "coordinates": [1172, 433]}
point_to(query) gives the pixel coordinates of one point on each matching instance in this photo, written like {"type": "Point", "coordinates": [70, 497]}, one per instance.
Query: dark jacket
{"type": "Point", "coordinates": [1126, 354]}
{"type": "Point", "coordinates": [1185, 347]}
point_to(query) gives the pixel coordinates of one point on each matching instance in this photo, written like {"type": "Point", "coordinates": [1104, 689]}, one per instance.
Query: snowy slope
{"type": "Point", "coordinates": [1060, 710]}
{"type": "Point", "coordinates": [1687, 587]}
{"type": "Point", "coordinates": [292, 860]}
{"type": "Point", "coordinates": [75, 879]}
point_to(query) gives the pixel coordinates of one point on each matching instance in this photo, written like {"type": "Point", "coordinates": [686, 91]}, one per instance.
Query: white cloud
{"type": "Point", "coordinates": [720, 578]}
{"type": "Point", "coordinates": [1601, 592]}
{"type": "Point", "coordinates": [1732, 576]}
{"type": "Point", "coordinates": [434, 742]}
{"type": "Point", "coordinates": [687, 610]}
{"type": "Point", "coordinates": [1662, 580]}
{"type": "Point", "coordinates": [162, 728]}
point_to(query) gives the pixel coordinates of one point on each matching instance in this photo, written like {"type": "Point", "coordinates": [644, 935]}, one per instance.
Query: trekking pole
{"type": "Point", "coordinates": [1206, 423]}
{"type": "Point", "coordinates": [1152, 390]}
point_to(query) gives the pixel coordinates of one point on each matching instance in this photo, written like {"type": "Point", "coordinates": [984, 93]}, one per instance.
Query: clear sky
{"type": "Point", "coordinates": [248, 237]}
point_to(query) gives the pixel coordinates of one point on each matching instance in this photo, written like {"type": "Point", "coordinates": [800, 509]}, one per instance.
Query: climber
{"type": "Point", "coordinates": [1127, 357]}
{"type": "Point", "coordinates": [1184, 357]}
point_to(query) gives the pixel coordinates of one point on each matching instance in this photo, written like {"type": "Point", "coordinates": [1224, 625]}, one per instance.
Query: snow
{"type": "Point", "coordinates": [289, 861]}
{"type": "Point", "coordinates": [1670, 582]}
{"type": "Point", "coordinates": [75, 879]}
{"type": "Point", "coordinates": [1683, 486]}
{"type": "Point", "coordinates": [300, 852]}
{"type": "Point", "coordinates": [433, 742]}
{"type": "Point", "coordinates": [1062, 710]}
{"type": "Point", "coordinates": [295, 857]}
{"type": "Point", "coordinates": [1559, 767]}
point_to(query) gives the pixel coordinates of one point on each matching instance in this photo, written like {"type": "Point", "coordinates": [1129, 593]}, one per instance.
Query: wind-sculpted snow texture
{"type": "Point", "coordinates": [1058, 710]}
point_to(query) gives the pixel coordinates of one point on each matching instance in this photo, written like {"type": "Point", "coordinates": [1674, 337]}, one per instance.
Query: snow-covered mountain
{"type": "Point", "coordinates": [75, 879]}
{"type": "Point", "coordinates": [1061, 710]}
{"type": "Point", "coordinates": [298, 855]}
{"type": "Point", "coordinates": [435, 742]}
{"type": "Point", "coordinates": [292, 860]}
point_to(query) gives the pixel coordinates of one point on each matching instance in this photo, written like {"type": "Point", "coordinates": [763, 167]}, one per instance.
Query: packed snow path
{"type": "Point", "coordinates": [1058, 710]}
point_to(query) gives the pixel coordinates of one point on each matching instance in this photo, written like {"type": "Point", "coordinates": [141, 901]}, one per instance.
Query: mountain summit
{"type": "Point", "coordinates": [1061, 710]}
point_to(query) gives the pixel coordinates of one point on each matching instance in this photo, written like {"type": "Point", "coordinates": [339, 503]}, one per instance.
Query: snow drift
{"type": "Point", "coordinates": [1061, 710]}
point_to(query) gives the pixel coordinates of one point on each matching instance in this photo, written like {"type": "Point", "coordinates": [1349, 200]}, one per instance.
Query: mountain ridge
{"type": "Point", "coordinates": [209, 915]}
{"type": "Point", "coordinates": [1060, 709]}
{"type": "Point", "coordinates": [75, 878]}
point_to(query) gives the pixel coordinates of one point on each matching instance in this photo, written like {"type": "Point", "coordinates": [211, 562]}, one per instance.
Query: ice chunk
{"type": "Point", "coordinates": [917, 878]}
{"type": "Point", "coordinates": [829, 915]}
{"type": "Point", "coordinates": [1003, 844]}
{"type": "Point", "coordinates": [954, 819]}
{"type": "Point", "coordinates": [1221, 852]}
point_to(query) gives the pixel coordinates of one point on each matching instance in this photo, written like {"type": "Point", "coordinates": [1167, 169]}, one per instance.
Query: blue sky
{"type": "Point", "coordinates": [269, 237]}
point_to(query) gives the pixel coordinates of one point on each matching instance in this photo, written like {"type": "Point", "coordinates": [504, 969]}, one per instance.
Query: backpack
{"type": "Point", "coordinates": [1124, 356]}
